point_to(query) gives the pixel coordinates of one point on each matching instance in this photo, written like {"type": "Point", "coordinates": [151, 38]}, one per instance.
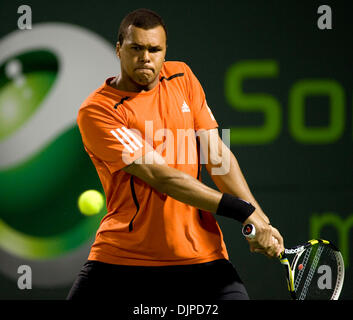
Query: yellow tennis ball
{"type": "Point", "coordinates": [90, 202]}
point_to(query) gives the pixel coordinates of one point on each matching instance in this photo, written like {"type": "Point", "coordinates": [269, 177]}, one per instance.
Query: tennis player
{"type": "Point", "coordinates": [146, 131]}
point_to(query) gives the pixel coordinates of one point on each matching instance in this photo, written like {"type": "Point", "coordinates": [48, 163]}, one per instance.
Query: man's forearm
{"type": "Point", "coordinates": [176, 184]}
{"type": "Point", "coordinates": [189, 190]}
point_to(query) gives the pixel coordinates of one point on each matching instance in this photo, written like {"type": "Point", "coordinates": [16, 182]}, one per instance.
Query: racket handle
{"type": "Point", "coordinates": [249, 231]}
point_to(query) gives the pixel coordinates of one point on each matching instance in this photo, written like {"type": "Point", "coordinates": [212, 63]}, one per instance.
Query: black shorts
{"type": "Point", "coordinates": [216, 280]}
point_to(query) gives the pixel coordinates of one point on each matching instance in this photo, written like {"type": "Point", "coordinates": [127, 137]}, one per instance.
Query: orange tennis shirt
{"type": "Point", "coordinates": [142, 226]}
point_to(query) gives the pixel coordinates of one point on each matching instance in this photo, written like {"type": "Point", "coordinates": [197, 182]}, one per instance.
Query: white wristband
{"type": "Point", "coordinates": [249, 231]}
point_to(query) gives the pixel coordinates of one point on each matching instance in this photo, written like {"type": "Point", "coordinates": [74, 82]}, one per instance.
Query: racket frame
{"type": "Point", "coordinates": [249, 231]}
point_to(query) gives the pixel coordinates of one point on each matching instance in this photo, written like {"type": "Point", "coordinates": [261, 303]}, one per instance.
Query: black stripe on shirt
{"type": "Point", "coordinates": [172, 77]}
{"type": "Point", "coordinates": [132, 187]}
{"type": "Point", "coordinates": [121, 102]}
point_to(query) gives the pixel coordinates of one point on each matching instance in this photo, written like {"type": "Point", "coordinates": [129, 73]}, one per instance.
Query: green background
{"type": "Point", "coordinates": [297, 156]}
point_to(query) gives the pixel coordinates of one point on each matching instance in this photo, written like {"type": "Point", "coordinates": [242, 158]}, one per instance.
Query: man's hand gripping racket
{"type": "Point", "coordinates": [317, 269]}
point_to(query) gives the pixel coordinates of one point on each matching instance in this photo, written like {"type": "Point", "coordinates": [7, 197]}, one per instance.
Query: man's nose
{"type": "Point", "coordinates": [145, 56]}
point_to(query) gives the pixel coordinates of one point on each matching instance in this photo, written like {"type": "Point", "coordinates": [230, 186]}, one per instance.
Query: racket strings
{"type": "Point", "coordinates": [317, 273]}
{"type": "Point", "coordinates": [311, 273]}
{"type": "Point", "coordinates": [299, 276]}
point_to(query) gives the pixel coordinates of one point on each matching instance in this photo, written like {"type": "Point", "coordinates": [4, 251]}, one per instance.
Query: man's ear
{"type": "Point", "coordinates": [117, 49]}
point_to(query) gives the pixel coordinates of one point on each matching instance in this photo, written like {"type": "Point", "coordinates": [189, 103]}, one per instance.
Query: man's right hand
{"type": "Point", "coordinates": [268, 240]}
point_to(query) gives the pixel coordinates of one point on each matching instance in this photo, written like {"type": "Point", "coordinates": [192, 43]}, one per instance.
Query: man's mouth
{"type": "Point", "coordinates": [144, 68]}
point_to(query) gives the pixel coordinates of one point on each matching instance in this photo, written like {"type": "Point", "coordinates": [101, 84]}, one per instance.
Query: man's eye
{"type": "Point", "coordinates": [153, 50]}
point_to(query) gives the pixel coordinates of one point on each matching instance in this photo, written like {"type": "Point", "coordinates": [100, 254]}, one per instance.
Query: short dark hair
{"type": "Point", "coordinates": [141, 18]}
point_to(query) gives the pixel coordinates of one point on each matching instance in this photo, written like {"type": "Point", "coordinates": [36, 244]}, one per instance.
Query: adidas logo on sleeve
{"type": "Point", "coordinates": [127, 139]}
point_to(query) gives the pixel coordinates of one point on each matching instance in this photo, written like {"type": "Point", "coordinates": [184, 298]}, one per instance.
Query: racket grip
{"type": "Point", "coordinates": [249, 231]}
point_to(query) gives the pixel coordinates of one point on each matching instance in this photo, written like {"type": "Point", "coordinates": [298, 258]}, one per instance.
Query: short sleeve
{"type": "Point", "coordinates": [108, 137]}
{"type": "Point", "coordinates": [203, 117]}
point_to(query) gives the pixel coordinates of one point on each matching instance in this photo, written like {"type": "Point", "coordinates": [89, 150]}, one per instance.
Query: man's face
{"type": "Point", "coordinates": [141, 56]}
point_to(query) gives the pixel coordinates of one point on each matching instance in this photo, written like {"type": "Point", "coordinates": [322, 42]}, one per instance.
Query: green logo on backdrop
{"type": "Point", "coordinates": [271, 109]}
{"type": "Point", "coordinates": [39, 217]}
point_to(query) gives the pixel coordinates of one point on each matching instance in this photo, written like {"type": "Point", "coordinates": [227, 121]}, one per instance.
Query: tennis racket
{"type": "Point", "coordinates": [316, 271]}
